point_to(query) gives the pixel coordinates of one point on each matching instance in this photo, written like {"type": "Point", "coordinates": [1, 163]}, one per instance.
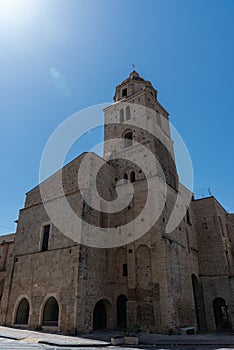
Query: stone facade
{"type": "Point", "coordinates": [157, 283]}
{"type": "Point", "coordinates": [6, 248]}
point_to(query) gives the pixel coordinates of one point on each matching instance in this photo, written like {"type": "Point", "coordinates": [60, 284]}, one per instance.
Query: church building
{"type": "Point", "coordinates": [160, 281]}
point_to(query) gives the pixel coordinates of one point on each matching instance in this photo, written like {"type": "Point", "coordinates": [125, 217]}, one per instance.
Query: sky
{"type": "Point", "coordinates": [60, 56]}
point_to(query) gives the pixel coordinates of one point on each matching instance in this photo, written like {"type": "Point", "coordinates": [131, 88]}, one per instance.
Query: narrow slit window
{"type": "Point", "coordinates": [125, 270]}
{"type": "Point", "coordinates": [121, 115]}
{"type": "Point", "coordinates": [46, 236]}
{"type": "Point", "coordinates": [132, 177]}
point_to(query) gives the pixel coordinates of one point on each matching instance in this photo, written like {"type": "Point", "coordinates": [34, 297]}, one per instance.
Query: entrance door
{"type": "Point", "coordinates": [99, 316]}
{"type": "Point", "coordinates": [122, 311]}
{"type": "Point", "coordinates": [221, 314]}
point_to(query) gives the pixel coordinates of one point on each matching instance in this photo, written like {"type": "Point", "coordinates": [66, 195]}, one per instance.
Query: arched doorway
{"type": "Point", "coordinates": [221, 314]}
{"type": "Point", "coordinates": [51, 313]}
{"type": "Point", "coordinates": [199, 304]}
{"type": "Point", "coordinates": [122, 311]}
{"type": "Point", "coordinates": [22, 314]}
{"type": "Point", "coordinates": [100, 316]}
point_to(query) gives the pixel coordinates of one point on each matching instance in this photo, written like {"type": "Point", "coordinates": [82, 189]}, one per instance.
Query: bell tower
{"type": "Point", "coordinates": [136, 117]}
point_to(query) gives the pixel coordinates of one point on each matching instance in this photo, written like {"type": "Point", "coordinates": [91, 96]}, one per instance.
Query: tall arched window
{"type": "Point", "coordinates": [51, 312]}
{"type": "Point", "coordinates": [128, 139]}
{"type": "Point", "coordinates": [121, 115]}
{"type": "Point", "coordinates": [132, 177]}
{"type": "Point", "coordinates": [128, 113]}
{"type": "Point", "coordinates": [22, 312]}
{"type": "Point", "coordinates": [125, 176]}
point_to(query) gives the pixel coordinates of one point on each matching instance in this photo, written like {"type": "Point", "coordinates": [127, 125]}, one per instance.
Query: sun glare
{"type": "Point", "coordinates": [17, 11]}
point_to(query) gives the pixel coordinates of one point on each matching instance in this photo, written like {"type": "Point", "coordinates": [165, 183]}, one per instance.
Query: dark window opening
{"type": "Point", "coordinates": [124, 92]}
{"type": "Point", "coordinates": [132, 176]}
{"type": "Point", "coordinates": [128, 139]}
{"type": "Point", "coordinates": [128, 113]}
{"type": "Point", "coordinates": [125, 176]}
{"type": "Point", "coordinates": [125, 270]}
{"type": "Point", "coordinates": [46, 235]}
{"type": "Point", "coordinates": [122, 312]}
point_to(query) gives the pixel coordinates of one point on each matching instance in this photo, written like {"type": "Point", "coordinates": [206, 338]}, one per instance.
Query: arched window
{"type": "Point", "coordinates": [51, 313]}
{"type": "Point", "coordinates": [128, 139]}
{"type": "Point", "coordinates": [22, 312]}
{"type": "Point", "coordinates": [125, 176]}
{"type": "Point", "coordinates": [121, 115]}
{"type": "Point", "coordinates": [132, 177]}
{"type": "Point", "coordinates": [128, 113]}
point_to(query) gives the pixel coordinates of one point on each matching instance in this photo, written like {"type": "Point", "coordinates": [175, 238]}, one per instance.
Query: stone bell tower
{"type": "Point", "coordinates": [136, 117]}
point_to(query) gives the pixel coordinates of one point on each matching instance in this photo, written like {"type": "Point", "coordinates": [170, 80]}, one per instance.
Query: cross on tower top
{"type": "Point", "coordinates": [133, 66]}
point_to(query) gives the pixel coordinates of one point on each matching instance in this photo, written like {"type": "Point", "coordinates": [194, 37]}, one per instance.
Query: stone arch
{"type": "Point", "coordinates": [144, 269]}
{"type": "Point", "coordinates": [22, 313]}
{"type": "Point", "coordinates": [50, 315]}
{"type": "Point", "coordinates": [102, 315]}
{"type": "Point", "coordinates": [132, 176]}
{"type": "Point", "coordinates": [128, 138]}
{"type": "Point", "coordinates": [220, 308]}
{"type": "Point", "coordinates": [199, 304]}
{"type": "Point", "coordinates": [121, 305]}
{"type": "Point", "coordinates": [129, 174]}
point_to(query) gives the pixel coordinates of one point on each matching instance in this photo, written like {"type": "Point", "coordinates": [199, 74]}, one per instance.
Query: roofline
{"type": "Point", "coordinates": [216, 200]}
{"type": "Point", "coordinates": [66, 165]}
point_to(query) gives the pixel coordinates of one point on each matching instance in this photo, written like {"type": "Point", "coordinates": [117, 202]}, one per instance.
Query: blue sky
{"type": "Point", "coordinates": [59, 56]}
